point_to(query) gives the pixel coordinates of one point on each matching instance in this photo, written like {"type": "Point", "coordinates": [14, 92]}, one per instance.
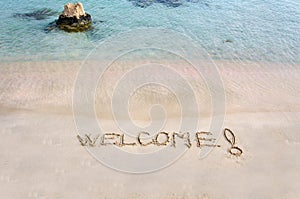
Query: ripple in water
{"type": "Point", "coordinates": [237, 30]}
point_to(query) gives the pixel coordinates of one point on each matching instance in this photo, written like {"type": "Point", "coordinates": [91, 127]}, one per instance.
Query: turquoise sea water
{"type": "Point", "coordinates": [256, 30]}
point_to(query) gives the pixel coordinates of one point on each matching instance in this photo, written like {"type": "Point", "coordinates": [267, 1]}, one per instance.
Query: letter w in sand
{"type": "Point", "coordinates": [87, 140]}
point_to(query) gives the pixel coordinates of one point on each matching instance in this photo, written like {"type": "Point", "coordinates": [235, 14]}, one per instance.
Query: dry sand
{"type": "Point", "coordinates": [40, 156]}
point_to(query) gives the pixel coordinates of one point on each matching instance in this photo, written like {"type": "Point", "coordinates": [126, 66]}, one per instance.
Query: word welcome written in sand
{"type": "Point", "coordinates": [160, 139]}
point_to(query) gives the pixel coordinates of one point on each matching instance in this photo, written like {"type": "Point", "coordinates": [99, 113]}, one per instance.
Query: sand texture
{"type": "Point", "coordinates": [40, 156]}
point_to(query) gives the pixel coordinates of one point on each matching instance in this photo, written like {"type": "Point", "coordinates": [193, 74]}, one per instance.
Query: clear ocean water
{"type": "Point", "coordinates": [256, 30]}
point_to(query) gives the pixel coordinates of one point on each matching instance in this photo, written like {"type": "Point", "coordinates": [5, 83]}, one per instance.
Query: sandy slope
{"type": "Point", "coordinates": [40, 156]}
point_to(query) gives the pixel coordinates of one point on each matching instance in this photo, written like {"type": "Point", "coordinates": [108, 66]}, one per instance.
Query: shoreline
{"type": "Point", "coordinates": [249, 87]}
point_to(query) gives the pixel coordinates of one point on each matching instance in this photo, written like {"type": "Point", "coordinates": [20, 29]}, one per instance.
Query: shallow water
{"type": "Point", "coordinates": [245, 30]}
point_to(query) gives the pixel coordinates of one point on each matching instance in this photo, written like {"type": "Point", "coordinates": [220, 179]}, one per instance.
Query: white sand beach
{"type": "Point", "coordinates": [40, 156]}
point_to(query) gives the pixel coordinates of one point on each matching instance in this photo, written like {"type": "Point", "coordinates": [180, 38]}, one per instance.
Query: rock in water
{"type": "Point", "coordinates": [74, 10]}
{"type": "Point", "coordinates": [74, 18]}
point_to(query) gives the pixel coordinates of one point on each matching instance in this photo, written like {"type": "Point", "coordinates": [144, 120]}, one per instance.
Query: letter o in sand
{"type": "Point", "coordinates": [157, 141]}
